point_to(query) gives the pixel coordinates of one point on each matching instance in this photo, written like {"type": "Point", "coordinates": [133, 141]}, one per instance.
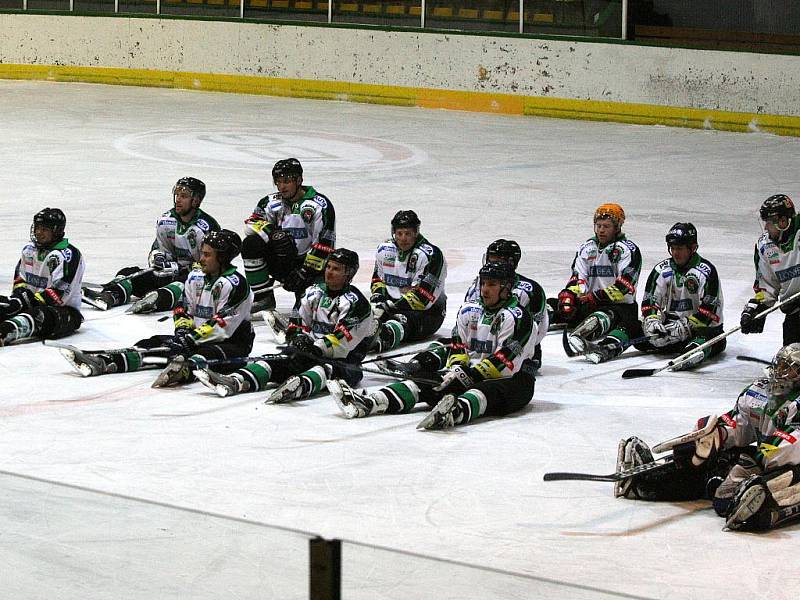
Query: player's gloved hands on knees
{"type": "Point", "coordinates": [25, 296]}
{"type": "Point", "coordinates": [455, 380]}
{"type": "Point", "coordinates": [748, 321]}
{"type": "Point", "coordinates": [298, 280]}
{"type": "Point", "coordinates": [567, 305]}
{"type": "Point", "coordinates": [678, 330]}
{"type": "Point", "coordinates": [304, 343]}
{"type": "Point", "coordinates": [161, 262]}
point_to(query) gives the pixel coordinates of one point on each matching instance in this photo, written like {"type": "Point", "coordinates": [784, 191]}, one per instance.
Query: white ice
{"type": "Point", "coordinates": [108, 156]}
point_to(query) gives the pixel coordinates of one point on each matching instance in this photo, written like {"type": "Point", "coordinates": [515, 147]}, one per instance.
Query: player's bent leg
{"type": "Point", "coordinates": [298, 387]}
{"type": "Point", "coordinates": [256, 270]}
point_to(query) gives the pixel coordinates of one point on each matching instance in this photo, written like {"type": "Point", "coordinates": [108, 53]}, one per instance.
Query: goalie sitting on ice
{"type": "Point", "coordinates": [334, 321]}
{"type": "Point", "coordinates": [682, 304]}
{"type": "Point", "coordinates": [212, 322]}
{"type": "Point", "coordinates": [748, 465]}
{"type": "Point", "coordinates": [488, 366]}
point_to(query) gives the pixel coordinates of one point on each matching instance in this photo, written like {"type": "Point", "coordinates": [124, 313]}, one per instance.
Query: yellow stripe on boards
{"type": "Point", "coordinates": [561, 108]}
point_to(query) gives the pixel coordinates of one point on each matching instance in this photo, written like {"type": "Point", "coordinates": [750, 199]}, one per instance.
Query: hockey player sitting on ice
{"type": "Point", "coordinates": [682, 304]}
{"type": "Point", "coordinates": [46, 298]}
{"type": "Point", "coordinates": [211, 323]}
{"type": "Point", "coordinates": [489, 364]}
{"type": "Point", "coordinates": [334, 322]}
{"type": "Point", "coordinates": [408, 295]}
{"type": "Point", "coordinates": [528, 292]}
{"type": "Point", "coordinates": [179, 236]}
{"type": "Point", "coordinates": [748, 465]}
{"type": "Point", "coordinates": [598, 304]}
{"type": "Point", "coordinates": [777, 261]}
{"type": "Point", "coordinates": [288, 236]}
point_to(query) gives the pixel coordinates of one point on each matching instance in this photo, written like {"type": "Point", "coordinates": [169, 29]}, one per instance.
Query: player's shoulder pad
{"type": "Point", "coordinates": [763, 243]}
{"type": "Point", "coordinates": [515, 310]}
{"type": "Point", "coordinates": [663, 269]}
{"type": "Point", "coordinates": [387, 246]}
{"type": "Point", "coordinates": [586, 246]}
{"type": "Point", "coordinates": [525, 284]}
{"type": "Point", "coordinates": [166, 219]}
{"type": "Point", "coordinates": [704, 267]}
{"type": "Point", "coordinates": [29, 247]}
{"type": "Point", "coordinates": [272, 202]}
{"type": "Point", "coordinates": [351, 297]}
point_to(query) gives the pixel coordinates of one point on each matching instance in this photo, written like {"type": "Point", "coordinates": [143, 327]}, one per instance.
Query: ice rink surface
{"type": "Point", "coordinates": [108, 156]}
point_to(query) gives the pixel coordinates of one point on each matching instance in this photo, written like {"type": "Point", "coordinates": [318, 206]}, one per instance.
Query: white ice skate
{"type": "Point", "coordinates": [291, 389]}
{"type": "Point", "coordinates": [446, 413]}
{"type": "Point", "coordinates": [223, 385]}
{"type": "Point", "coordinates": [84, 363]}
{"type": "Point", "coordinates": [353, 404]}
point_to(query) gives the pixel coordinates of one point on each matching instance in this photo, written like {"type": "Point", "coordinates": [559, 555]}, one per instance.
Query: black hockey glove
{"type": "Point", "coordinates": [10, 306]}
{"type": "Point", "coordinates": [298, 280]}
{"type": "Point", "coordinates": [748, 321]}
{"type": "Point", "coordinates": [182, 343]}
{"type": "Point", "coordinates": [302, 350]}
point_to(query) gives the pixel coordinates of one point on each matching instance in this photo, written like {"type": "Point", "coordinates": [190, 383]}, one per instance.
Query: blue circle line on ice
{"type": "Point", "coordinates": [258, 149]}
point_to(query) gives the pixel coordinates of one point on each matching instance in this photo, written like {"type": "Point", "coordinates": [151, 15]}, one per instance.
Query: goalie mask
{"type": "Point", "coordinates": [52, 219]}
{"type": "Point", "coordinates": [784, 372]}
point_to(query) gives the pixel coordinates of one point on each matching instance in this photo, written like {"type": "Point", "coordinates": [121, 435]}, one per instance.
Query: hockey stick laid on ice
{"type": "Point", "coordinates": [754, 359]}
{"type": "Point", "coordinates": [661, 463]}
{"type": "Point", "coordinates": [675, 362]}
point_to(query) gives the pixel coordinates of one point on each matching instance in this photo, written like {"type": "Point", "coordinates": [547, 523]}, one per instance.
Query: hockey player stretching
{"type": "Point", "coordinates": [599, 301]}
{"type": "Point", "coordinates": [407, 285]}
{"type": "Point", "coordinates": [179, 236]}
{"type": "Point", "coordinates": [211, 323]}
{"type": "Point", "coordinates": [288, 236]}
{"type": "Point", "coordinates": [529, 293]}
{"type": "Point", "coordinates": [749, 464]}
{"type": "Point", "coordinates": [777, 260]}
{"type": "Point", "coordinates": [334, 322]}
{"type": "Point", "coordinates": [46, 299]}
{"type": "Point", "coordinates": [682, 305]}
{"type": "Point", "coordinates": [489, 368]}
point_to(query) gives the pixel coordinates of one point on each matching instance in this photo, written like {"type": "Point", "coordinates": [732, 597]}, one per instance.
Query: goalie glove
{"type": "Point", "coordinates": [704, 449]}
{"type": "Point", "coordinates": [455, 381]}
{"type": "Point", "coordinates": [748, 322]}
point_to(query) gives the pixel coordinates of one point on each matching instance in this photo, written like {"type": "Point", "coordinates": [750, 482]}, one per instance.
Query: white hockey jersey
{"type": "Point", "coordinates": [777, 266]}
{"type": "Point", "coordinates": [181, 241]}
{"type": "Point", "coordinates": [615, 267]}
{"type": "Point", "coordinates": [214, 308]}
{"type": "Point", "coordinates": [55, 273]}
{"type": "Point", "coordinates": [414, 279]}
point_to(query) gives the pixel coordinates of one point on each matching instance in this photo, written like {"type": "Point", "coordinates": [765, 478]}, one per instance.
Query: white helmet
{"type": "Point", "coordinates": [784, 372]}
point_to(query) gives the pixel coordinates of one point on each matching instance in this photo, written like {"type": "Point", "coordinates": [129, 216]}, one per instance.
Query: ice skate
{"type": "Point", "coordinates": [603, 351]}
{"type": "Point", "coordinates": [146, 304]}
{"type": "Point", "coordinates": [84, 363]}
{"type": "Point", "coordinates": [446, 413]}
{"type": "Point", "coordinates": [353, 404]}
{"type": "Point", "coordinates": [102, 300]}
{"type": "Point", "coordinates": [178, 371]}
{"type": "Point", "coordinates": [748, 501]}
{"type": "Point", "coordinates": [277, 323]}
{"type": "Point", "coordinates": [223, 385]}
{"type": "Point", "coordinates": [289, 390]}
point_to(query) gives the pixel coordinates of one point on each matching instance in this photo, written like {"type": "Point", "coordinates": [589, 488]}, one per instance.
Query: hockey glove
{"type": "Point", "coordinates": [382, 310]}
{"type": "Point", "coordinates": [26, 296]}
{"type": "Point", "coordinates": [748, 321]}
{"type": "Point", "coordinates": [455, 381]}
{"type": "Point", "coordinates": [298, 280]}
{"type": "Point", "coordinates": [161, 263]}
{"type": "Point", "coordinates": [678, 330]}
{"type": "Point", "coordinates": [655, 330]}
{"type": "Point", "coordinates": [182, 343]}
{"type": "Point", "coordinates": [697, 453]}
{"type": "Point", "coordinates": [567, 305]}
{"type": "Point", "coordinates": [10, 306]}
{"type": "Point", "coordinates": [302, 349]}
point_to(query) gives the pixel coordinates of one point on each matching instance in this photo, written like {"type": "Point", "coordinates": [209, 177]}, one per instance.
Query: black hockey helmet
{"type": "Point", "coordinates": [499, 271]}
{"type": "Point", "coordinates": [227, 243]}
{"type": "Point", "coordinates": [195, 186]}
{"type": "Point", "coordinates": [287, 167]}
{"type": "Point", "coordinates": [53, 219]}
{"type": "Point", "coordinates": [405, 219]}
{"type": "Point", "coordinates": [506, 249]}
{"type": "Point", "coordinates": [779, 205]}
{"type": "Point", "coordinates": [681, 234]}
{"type": "Point", "coordinates": [346, 258]}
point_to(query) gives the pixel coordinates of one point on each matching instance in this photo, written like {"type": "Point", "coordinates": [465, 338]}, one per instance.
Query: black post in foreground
{"type": "Point", "coordinates": [325, 569]}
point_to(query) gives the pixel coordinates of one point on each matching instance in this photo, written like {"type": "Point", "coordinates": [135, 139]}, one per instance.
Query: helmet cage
{"type": "Point", "coordinates": [784, 372]}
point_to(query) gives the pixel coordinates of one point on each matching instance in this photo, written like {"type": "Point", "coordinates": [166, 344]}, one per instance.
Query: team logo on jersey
{"type": "Point", "coordinates": [326, 302]}
{"type": "Point", "coordinates": [216, 291]}
{"type": "Point", "coordinates": [773, 257]}
{"type": "Point", "coordinates": [191, 237]}
{"type": "Point", "coordinates": [614, 253]}
{"type": "Point", "coordinates": [307, 214]}
{"type": "Point", "coordinates": [592, 254]}
{"type": "Point", "coordinates": [412, 263]}
{"type": "Point", "coordinates": [52, 262]}
{"type": "Point", "coordinates": [203, 224]}
{"type": "Point", "coordinates": [691, 283]}
{"type": "Point", "coordinates": [67, 254]}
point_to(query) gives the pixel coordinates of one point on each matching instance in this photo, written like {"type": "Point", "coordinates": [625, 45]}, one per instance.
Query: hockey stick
{"type": "Point", "coordinates": [357, 367]}
{"type": "Point", "coordinates": [753, 359]}
{"type": "Point", "coordinates": [675, 362]}
{"type": "Point", "coordinates": [661, 463]}
{"type": "Point", "coordinates": [99, 286]}
{"type": "Point", "coordinates": [55, 344]}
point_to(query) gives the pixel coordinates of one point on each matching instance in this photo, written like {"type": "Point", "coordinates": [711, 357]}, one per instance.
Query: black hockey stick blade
{"type": "Point", "coordinates": [612, 477]}
{"type": "Point", "coordinates": [753, 359]}
{"type": "Point", "coordinates": [565, 342]}
{"type": "Point", "coordinates": [633, 373]}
